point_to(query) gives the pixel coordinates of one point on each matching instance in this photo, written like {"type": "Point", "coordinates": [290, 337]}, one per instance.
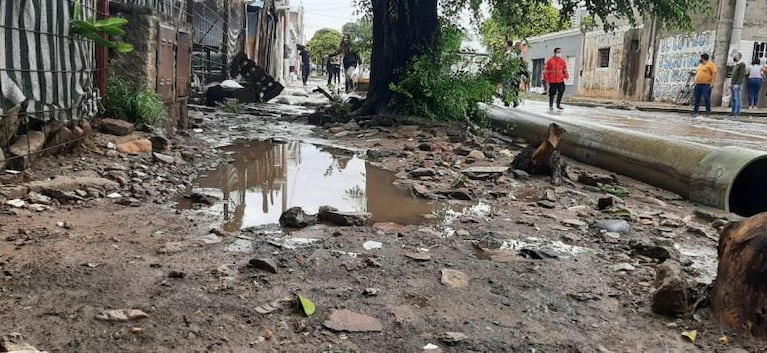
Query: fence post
{"type": "Point", "coordinates": [102, 52]}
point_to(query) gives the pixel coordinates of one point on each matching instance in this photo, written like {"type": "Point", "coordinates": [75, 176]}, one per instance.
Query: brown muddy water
{"type": "Point", "coordinates": [263, 179]}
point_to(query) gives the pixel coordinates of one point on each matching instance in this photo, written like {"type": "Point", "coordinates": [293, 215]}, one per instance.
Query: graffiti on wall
{"type": "Point", "coordinates": [677, 57]}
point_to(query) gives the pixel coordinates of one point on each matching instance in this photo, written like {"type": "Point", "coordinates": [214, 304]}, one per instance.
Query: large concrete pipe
{"type": "Point", "coordinates": [733, 179]}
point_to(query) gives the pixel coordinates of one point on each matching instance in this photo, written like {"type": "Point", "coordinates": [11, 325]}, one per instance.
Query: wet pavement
{"type": "Point", "coordinates": [716, 131]}
{"type": "Point", "coordinates": [263, 179]}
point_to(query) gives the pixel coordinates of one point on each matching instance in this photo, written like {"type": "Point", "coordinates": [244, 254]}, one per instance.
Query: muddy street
{"type": "Point", "coordinates": [450, 260]}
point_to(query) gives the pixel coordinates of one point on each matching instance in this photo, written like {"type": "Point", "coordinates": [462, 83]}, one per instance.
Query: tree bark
{"type": "Point", "coordinates": [739, 298]}
{"type": "Point", "coordinates": [402, 29]}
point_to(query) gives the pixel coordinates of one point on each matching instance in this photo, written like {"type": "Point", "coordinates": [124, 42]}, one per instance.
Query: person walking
{"type": "Point", "coordinates": [704, 80]}
{"type": "Point", "coordinates": [555, 76]}
{"type": "Point", "coordinates": [736, 85]}
{"type": "Point", "coordinates": [755, 80]}
{"type": "Point", "coordinates": [306, 63]}
{"type": "Point", "coordinates": [336, 65]}
{"type": "Point", "coordinates": [351, 61]}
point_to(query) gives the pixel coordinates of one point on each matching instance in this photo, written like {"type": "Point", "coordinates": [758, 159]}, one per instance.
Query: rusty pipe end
{"type": "Point", "coordinates": [733, 179]}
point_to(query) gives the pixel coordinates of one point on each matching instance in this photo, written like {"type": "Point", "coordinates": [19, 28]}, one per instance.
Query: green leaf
{"type": "Point", "coordinates": [113, 31]}
{"type": "Point", "coordinates": [307, 305]}
{"type": "Point", "coordinates": [84, 26]}
{"type": "Point", "coordinates": [124, 47]}
{"type": "Point", "coordinates": [78, 10]}
{"type": "Point", "coordinates": [111, 22]}
{"type": "Point", "coordinates": [614, 189]}
{"type": "Point", "coordinates": [98, 39]}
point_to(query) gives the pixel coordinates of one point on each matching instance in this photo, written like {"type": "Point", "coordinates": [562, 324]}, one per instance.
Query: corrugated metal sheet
{"type": "Point", "coordinates": [171, 8]}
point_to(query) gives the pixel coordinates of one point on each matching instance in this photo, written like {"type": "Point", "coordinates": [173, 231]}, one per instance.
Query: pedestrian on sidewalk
{"type": "Point", "coordinates": [704, 80]}
{"type": "Point", "coordinates": [736, 85]}
{"type": "Point", "coordinates": [306, 63]}
{"type": "Point", "coordinates": [555, 75]}
{"type": "Point", "coordinates": [755, 79]}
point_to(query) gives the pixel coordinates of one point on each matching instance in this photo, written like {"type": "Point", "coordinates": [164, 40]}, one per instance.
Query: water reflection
{"type": "Point", "coordinates": [265, 179]}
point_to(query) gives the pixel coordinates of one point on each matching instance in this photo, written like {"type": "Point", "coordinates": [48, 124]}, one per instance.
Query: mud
{"type": "Point", "coordinates": [61, 267]}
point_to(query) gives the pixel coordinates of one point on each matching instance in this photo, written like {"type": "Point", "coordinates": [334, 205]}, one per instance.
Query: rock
{"type": "Point", "coordinates": [458, 194]}
{"type": "Point", "coordinates": [478, 155]}
{"type": "Point", "coordinates": [736, 350]}
{"type": "Point", "coordinates": [462, 233]}
{"type": "Point", "coordinates": [520, 174]}
{"type": "Point", "coordinates": [454, 278]}
{"type": "Point", "coordinates": [574, 223]}
{"type": "Point", "coordinates": [210, 239]}
{"type": "Point", "coordinates": [140, 146]}
{"type": "Point", "coordinates": [550, 195]}
{"type": "Point", "coordinates": [204, 199]}
{"type": "Point", "coordinates": [17, 203]}
{"type": "Point", "coordinates": [485, 173]}
{"type": "Point", "coordinates": [86, 127]}
{"type": "Point", "coordinates": [348, 321]}
{"type": "Point", "coordinates": [671, 297]}
{"type": "Point", "coordinates": [372, 245]}
{"type": "Point", "coordinates": [613, 225]}
{"type": "Point", "coordinates": [605, 203]}
{"type": "Point", "coordinates": [120, 177]}
{"type": "Point", "coordinates": [596, 179]}
{"type": "Point", "coordinates": [114, 195]}
{"type": "Point", "coordinates": [388, 227]}
{"type": "Point", "coordinates": [426, 147]}
{"type": "Point", "coordinates": [623, 267]}
{"type": "Point", "coordinates": [418, 256]}
{"type": "Point", "coordinates": [121, 315]}
{"type": "Point", "coordinates": [452, 338]}
{"type": "Point", "coordinates": [336, 129]}
{"type": "Point", "coordinates": [164, 158]}
{"type": "Point", "coordinates": [370, 292]}
{"type": "Point", "coordinates": [462, 150]}
{"type": "Point", "coordinates": [15, 343]}
{"type": "Point", "coordinates": [117, 127]}
{"type": "Point", "coordinates": [345, 219]}
{"type": "Point", "coordinates": [295, 217]}
{"type": "Point", "coordinates": [38, 198]}
{"type": "Point", "coordinates": [650, 250]}
{"type": "Point", "coordinates": [547, 204]}
{"type": "Point", "coordinates": [421, 191]}
{"type": "Point", "coordinates": [423, 172]}
{"type": "Point", "coordinates": [264, 264]}
{"type": "Point", "coordinates": [32, 142]}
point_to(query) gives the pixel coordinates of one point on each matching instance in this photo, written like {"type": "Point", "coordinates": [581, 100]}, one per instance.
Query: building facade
{"type": "Point", "coordinates": [541, 48]}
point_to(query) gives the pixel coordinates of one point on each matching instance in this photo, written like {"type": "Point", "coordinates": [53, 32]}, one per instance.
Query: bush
{"type": "Point", "coordinates": [130, 102]}
{"type": "Point", "coordinates": [438, 86]}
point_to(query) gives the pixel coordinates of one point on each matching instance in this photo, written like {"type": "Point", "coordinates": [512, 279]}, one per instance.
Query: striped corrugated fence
{"type": "Point", "coordinates": [44, 68]}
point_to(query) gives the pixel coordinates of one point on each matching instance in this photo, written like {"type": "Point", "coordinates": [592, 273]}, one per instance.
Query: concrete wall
{"type": "Point", "coordinates": [624, 76]}
{"type": "Point", "coordinates": [755, 22]}
{"type": "Point", "coordinates": [542, 48]}
{"type": "Point", "coordinates": [677, 56]}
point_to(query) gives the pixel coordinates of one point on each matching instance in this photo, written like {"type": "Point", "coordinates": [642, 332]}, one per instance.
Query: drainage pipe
{"type": "Point", "coordinates": [733, 179]}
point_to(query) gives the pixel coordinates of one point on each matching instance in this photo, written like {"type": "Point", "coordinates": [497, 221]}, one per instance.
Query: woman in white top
{"type": "Point", "coordinates": [755, 80]}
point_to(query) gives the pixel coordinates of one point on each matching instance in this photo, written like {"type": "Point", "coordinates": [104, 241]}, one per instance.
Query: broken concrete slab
{"type": "Point", "coordinates": [70, 184]}
{"type": "Point", "coordinates": [121, 315]}
{"type": "Point", "coordinates": [349, 321]}
{"type": "Point", "coordinates": [295, 217]}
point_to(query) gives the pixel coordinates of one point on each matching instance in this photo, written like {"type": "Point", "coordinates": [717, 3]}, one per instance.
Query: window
{"type": "Point", "coordinates": [759, 49]}
{"type": "Point", "coordinates": [604, 57]}
{"type": "Point", "coordinates": [635, 45]}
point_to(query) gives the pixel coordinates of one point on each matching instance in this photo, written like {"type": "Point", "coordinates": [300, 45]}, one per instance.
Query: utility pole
{"type": "Point", "coordinates": [721, 49]}
{"type": "Point", "coordinates": [225, 39]}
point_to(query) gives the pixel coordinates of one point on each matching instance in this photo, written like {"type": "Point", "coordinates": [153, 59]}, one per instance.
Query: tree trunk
{"type": "Point", "coordinates": [402, 29]}
{"type": "Point", "coordinates": [739, 298]}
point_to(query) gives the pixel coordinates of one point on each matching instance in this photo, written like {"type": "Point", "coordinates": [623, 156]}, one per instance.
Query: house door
{"type": "Point", "coordinates": [537, 79]}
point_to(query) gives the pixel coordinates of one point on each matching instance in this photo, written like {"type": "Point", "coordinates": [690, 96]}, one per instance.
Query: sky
{"type": "Point", "coordinates": [319, 14]}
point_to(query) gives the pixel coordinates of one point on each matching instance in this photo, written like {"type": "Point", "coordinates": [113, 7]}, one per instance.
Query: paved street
{"type": "Point", "coordinates": [712, 131]}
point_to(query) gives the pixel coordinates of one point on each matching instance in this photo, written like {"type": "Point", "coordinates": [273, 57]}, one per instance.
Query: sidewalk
{"type": "Point", "coordinates": [746, 114]}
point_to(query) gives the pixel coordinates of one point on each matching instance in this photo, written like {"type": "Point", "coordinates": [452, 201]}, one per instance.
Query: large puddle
{"type": "Point", "coordinates": [264, 179]}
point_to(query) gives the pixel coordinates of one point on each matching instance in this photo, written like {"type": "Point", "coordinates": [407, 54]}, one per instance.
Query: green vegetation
{"type": "Point", "coordinates": [324, 43]}
{"type": "Point", "coordinates": [139, 105]}
{"type": "Point", "coordinates": [437, 85]}
{"type": "Point", "coordinates": [361, 33]}
{"type": "Point", "coordinates": [96, 30]}
{"type": "Point", "coordinates": [541, 19]}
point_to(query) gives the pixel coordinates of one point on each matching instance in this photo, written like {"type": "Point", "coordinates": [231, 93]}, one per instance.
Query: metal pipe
{"type": "Point", "coordinates": [733, 179]}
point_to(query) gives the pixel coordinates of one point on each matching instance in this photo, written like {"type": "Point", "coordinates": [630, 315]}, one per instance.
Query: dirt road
{"type": "Point", "coordinates": [480, 263]}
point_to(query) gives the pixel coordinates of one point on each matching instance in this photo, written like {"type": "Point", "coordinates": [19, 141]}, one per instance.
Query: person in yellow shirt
{"type": "Point", "coordinates": [704, 80]}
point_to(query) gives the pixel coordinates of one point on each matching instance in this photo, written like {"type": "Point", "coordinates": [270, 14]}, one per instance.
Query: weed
{"type": "Point", "coordinates": [130, 102]}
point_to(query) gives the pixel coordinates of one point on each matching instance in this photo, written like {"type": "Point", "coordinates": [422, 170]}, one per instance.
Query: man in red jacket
{"type": "Point", "coordinates": [555, 75]}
